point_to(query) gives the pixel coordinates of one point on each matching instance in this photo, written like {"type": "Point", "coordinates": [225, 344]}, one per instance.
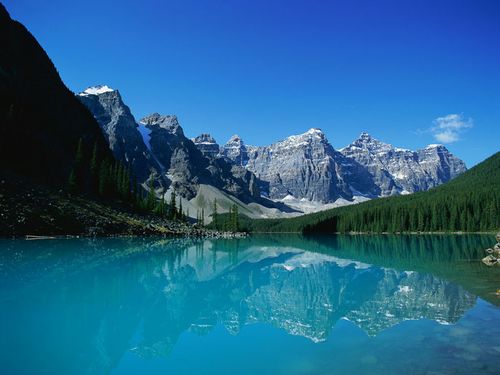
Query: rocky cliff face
{"type": "Point", "coordinates": [183, 164]}
{"type": "Point", "coordinates": [306, 166]}
{"type": "Point", "coordinates": [207, 145]}
{"type": "Point", "coordinates": [157, 146]}
{"type": "Point", "coordinates": [302, 166]}
{"type": "Point", "coordinates": [400, 171]}
{"type": "Point", "coordinates": [120, 129]}
{"type": "Point", "coordinates": [235, 150]}
{"type": "Point", "coordinates": [187, 164]}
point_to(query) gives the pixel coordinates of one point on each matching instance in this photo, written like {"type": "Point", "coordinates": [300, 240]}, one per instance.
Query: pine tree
{"type": "Point", "coordinates": [76, 176]}
{"type": "Point", "coordinates": [72, 185]}
{"type": "Point", "coordinates": [172, 208]}
{"type": "Point", "coordinates": [119, 179]}
{"type": "Point", "coordinates": [94, 170]}
{"type": "Point", "coordinates": [151, 199]}
{"type": "Point", "coordinates": [125, 184]}
{"type": "Point", "coordinates": [180, 213]}
{"type": "Point", "coordinates": [160, 207]}
{"type": "Point", "coordinates": [79, 166]}
{"type": "Point", "coordinates": [215, 215]}
{"type": "Point", "coordinates": [104, 179]}
{"type": "Point", "coordinates": [235, 220]}
{"type": "Point", "coordinates": [136, 195]}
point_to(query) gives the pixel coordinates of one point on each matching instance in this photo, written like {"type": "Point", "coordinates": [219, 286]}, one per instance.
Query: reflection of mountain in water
{"type": "Point", "coordinates": [305, 294]}
{"type": "Point", "coordinates": [120, 295]}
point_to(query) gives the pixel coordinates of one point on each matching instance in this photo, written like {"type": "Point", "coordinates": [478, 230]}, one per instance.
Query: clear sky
{"type": "Point", "coordinates": [408, 72]}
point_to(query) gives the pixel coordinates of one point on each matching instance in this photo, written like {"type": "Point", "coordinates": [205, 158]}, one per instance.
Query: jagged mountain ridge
{"type": "Point", "coordinates": [306, 166]}
{"type": "Point", "coordinates": [302, 167]}
{"type": "Point", "coordinates": [120, 129]}
{"type": "Point", "coordinates": [157, 146]}
{"type": "Point", "coordinates": [207, 145]}
{"type": "Point", "coordinates": [399, 171]}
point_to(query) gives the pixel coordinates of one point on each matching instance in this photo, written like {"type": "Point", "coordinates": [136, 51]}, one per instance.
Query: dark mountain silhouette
{"type": "Point", "coordinates": [41, 121]}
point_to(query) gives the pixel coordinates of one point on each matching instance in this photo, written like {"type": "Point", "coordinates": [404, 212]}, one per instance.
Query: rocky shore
{"type": "Point", "coordinates": [493, 257]}
{"type": "Point", "coordinates": [30, 210]}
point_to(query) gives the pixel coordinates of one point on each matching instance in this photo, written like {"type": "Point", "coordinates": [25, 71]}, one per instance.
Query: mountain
{"type": "Point", "coordinates": [157, 145]}
{"type": "Point", "coordinates": [41, 125]}
{"type": "Point", "coordinates": [306, 168]}
{"type": "Point", "coordinates": [401, 171]}
{"type": "Point", "coordinates": [207, 145]}
{"type": "Point", "coordinates": [41, 121]}
{"type": "Point", "coordinates": [236, 150]}
{"type": "Point", "coordinates": [301, 166]}
{"type": "Point", "coordinates": [302, 171]}
{"type": "Point", "coordinates": [469, 202]}
{"type": "Point", "coordinates": [120, 129]}
{"type": "Point", "coordinates": [193, 169]}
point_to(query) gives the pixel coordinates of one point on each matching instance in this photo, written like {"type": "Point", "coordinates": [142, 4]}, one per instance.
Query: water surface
{"type": "Point", "coordinates": [266, 304]}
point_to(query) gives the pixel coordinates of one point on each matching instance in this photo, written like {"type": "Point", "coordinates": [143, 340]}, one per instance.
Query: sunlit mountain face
{"type": "Point", "coordinates": [112, 305]}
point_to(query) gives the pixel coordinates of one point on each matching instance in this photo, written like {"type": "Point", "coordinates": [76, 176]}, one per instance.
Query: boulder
{"type": "Point", "coordinates": [490, 260]}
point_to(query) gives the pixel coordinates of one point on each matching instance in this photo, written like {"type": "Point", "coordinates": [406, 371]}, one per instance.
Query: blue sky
{"type": "Point", "coordinates": [408, 72]}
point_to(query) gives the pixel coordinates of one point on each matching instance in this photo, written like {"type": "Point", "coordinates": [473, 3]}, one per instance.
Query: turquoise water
{"type": "Point", "coordinates": [262, 305]}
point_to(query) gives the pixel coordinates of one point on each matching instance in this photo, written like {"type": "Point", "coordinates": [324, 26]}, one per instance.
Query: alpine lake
{"type": "Point", "coordinates": [265, 304]}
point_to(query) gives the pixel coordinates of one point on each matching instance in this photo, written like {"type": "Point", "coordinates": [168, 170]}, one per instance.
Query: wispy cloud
{"type": "Point", "coordinates": [447, 129]}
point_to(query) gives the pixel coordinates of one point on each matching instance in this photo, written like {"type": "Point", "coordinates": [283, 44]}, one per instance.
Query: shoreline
{"type": "Point", "coordinates": [379, 233]}
{"type": "Point", "coordinates": [200, 234]}
{"type": "Point", "coordinates": [224, 235]}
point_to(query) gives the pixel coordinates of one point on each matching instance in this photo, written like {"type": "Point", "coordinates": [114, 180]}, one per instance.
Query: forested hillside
{"type": "Point", "coordinates": [468, 203]}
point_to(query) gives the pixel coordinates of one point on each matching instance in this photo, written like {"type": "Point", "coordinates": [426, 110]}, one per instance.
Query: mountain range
{"type": "Point", "coordinates": [300, 173]}
{"type": "Point", "coordinates": [40, 133]}
{"type": "Point", "coordinates": [469, 202]}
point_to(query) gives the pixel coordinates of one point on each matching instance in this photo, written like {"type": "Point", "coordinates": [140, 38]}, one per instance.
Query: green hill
{"type": "Point", "coordinates": [468, 203]}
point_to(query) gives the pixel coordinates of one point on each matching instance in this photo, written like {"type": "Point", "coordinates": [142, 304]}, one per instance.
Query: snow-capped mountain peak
{"type": "Point", "coordinates": [313, 134]}
{"type": "Point", "coordinates": [400, 171]}
{"type": "Point", "coordinates": [96, 90]}
{"type": "Point", "coordinates": [235, 139]}
{"type": "Point", "coordinates": [367, 142]}
{"type": "Point", "coordinates": [365, 136]}
{"type": "Point", "coordinates": [435, 145]}
{"type": "Point", "coordinates": [235, 150]}
{"type": "Point", "coordinates": [314, 131]}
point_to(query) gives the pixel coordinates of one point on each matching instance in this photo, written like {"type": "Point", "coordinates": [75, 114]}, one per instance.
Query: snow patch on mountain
{"type": "Point", "coordinates": [96, 90]}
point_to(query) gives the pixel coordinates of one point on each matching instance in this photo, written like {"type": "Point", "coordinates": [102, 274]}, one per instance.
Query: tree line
{"type": "Point", "coordinates": [98, 175]}
{"type": "Point", "coordinates": [469, 203]}
{"type": "Point", "coordinates": [95, 174]}
{"type": "Point", "coordinates": [226, 222]}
